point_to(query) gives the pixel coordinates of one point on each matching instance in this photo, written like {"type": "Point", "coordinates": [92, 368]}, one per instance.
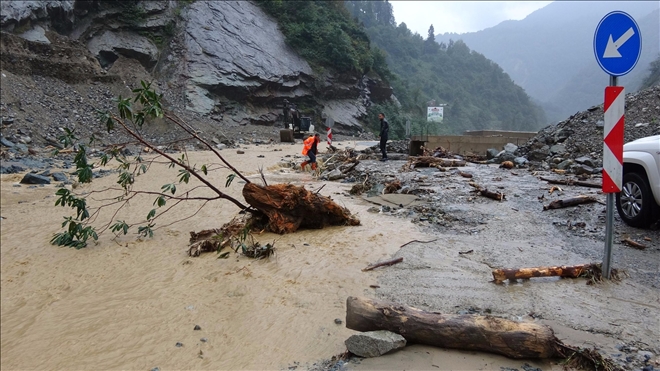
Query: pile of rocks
{"type": "Point", "coordinates": [576, 144]}
{"type": "Point", "coordinates": [394, 146]}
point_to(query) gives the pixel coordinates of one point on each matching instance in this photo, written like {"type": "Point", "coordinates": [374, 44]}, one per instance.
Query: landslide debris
{"type": "Point", "coordinates": [579, 139]}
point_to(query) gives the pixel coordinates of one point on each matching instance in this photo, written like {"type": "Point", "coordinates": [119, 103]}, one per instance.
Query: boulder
{"type": "Point", "coordinates": [557, 149]}
{"type": "Point", "coordinates": [59, 177]}
{"type": "Point", "coordinates": [374, 343]}
{"type": "Point", "coordinates": [335, 175]}
{"type": "Point", "coordinates": [347, 114]}
{"type": "Point", "coordinates": [585, 160]}
{"type": "Point", "coordinates": [11, 169]}
{"type": "Point", "coordinates": [37, 34]}
{"type": "Point", "coordinates": [109, 45]}
{"type": "Point", "coordinates": [6, 142]}
{"type": "Point", "coordinates": [510, 147]}
{"type": "Point", "coordinates": [565, 164]}
{"type": "Point", "coordinates": [31, 178]}
{"type": "Point", "coordinates": [583, 169]}
{"type": "Point", "coordinates": [519, 161]}
{"type": "Point", "coordinates": [491, 153]}
{"type": "Point", "coordinates": [538, 154]}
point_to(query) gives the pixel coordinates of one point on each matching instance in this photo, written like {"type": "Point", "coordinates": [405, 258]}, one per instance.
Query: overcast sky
{"type": "Point", "coordinates": [460, 16]}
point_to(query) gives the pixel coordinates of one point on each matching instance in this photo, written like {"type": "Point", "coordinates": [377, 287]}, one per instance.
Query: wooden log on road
{"type": "Point", "coordinates": [574, 201]}
{"type": "Point", "coordinates": [497, 196]}
{"type": "Point", "coordinates": [467, 332]}
{"type": "Point", "coordinates": [430, 161]}
{"type": "Point", "coordinates": [573, 271]}
{"type": "Point", "coordinates": [571, 182]}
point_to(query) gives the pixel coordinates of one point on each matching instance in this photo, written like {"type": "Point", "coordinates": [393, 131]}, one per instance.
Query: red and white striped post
{"type": "Point", "coordinates": [329, 136]}
{"type": "Point", "coordinates": [614, 108]}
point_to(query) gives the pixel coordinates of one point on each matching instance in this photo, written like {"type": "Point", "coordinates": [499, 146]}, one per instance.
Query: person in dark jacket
{"type": "Point", "coordinates": [384, 131]}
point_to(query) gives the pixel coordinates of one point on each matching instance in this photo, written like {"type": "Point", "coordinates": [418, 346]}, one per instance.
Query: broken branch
{"type": "Point", "coordinates": [382, 264]}
{"type": "Point", "coordinates": [571, 182]}
{"type": "Point", "coordinates": [634, 244]}
{"type": "Point", "coordinates": [574, 201]}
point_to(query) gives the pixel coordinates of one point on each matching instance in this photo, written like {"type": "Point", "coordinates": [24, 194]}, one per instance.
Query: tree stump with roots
{"type": "Point", "coordinates": [285, 208]}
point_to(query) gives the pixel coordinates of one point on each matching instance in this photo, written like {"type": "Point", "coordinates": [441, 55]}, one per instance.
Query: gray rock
{"type": "Point", "coordinates": [6, 142]}
{"type": "Point", "coordinates": [537, 155]}
{"type": "Point", "coordinates": [585, 160]}
{"type": "Point", "coordinates": [557, 149]}
{"type": "Point", "coordinates": [338, 321]}
{"type": "Point", "coordinates": [491, 153]}
{"type": "Point", "coordinates": [374, 343]}
{"type": "Point", "coordinates": [504, 156]}
{"type": "Point", "coordinates": [221, 146]}
{"type": "Point", "coordinates": [565, 164]}
{"type": "Point", "coordinates": [37, 34]}
{"type": "Point", "coordinates": [30, 178]}
{"type": "Point", "coordinates": [232, 47]}
{"type": "Point", "coordinates": [14, 12]}
{"type": "Point", "coordinates": [21, 147]}
{"type": "Point", "coordinates": [519, 161]}
{"type": "Point", "coordinates": [130, 45]}
{"type": "Point", "coordinates": [11, 169]}
{"type": "Point", "coordinates": [510, 147]}
{"type": "Point", "coordinates": [197, 328]}
{"type": "Point", "coordinates": [583, 169]}
{"type": "Point", "coordinates": [335, 175]}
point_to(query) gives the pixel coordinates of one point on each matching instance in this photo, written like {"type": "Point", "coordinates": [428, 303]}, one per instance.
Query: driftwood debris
{"type": "Point", "coordinates": [418, 241]}
{"type": "Point", "coordinates": [574, 271]}
{"type": "Point", "coordinates": [571, 182]}
{"type": "Point", "coordinates": [634, 244]}
{"type": "Point", "coordinates": [382, 264]}
{"type": "Point", "coordinates": [284, 208]}
{"type": "Point", "coordinates": [468, 332]}
{"type": "Point", "coordinates": [592, 272]}
{"type": "Point", "coordinates": [392, 187]}
{"type": "Point", "coordinates": [568, 202]}
{"type": "Point", "coordinates": [430, 161]}
{"type": "Point", "coordinates": [497, 196]}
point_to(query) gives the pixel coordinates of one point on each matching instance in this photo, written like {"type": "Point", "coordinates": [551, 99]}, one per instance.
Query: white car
{"type": "Point", "coordinates": [638, 202]}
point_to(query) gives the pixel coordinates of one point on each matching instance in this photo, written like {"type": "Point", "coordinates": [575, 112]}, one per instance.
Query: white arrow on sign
{"type": "Point", "coordinates": [612, 48]}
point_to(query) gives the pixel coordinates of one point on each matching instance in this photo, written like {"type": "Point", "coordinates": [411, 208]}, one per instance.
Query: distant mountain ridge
{"type": "Point", "coordinates": [550, 52]}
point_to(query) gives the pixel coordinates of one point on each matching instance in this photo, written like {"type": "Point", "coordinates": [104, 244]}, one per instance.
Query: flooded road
{"type": "Point", "coordinates": [126, 303]}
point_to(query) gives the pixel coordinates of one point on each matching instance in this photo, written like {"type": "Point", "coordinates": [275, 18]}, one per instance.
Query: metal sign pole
{"type": "Point", "coordinates": [609, 221]}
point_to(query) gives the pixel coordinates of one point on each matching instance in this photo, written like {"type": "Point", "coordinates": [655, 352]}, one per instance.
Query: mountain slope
{"type": "Point", "coordinates": [550, 53]}
{"type": "Point", "coordinates": [477, 93]}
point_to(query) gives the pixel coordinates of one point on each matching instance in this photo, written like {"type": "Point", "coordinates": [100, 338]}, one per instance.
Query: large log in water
{"type": "Point", "coordinates": [288, 208]}
{"type": "Point", "coordinates": [573, 271]}
{"type": "Point", "coordinates": [467, 332]}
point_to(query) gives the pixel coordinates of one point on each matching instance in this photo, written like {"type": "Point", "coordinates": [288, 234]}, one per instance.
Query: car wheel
{"type": "Point", "coordinates": [635, 202]}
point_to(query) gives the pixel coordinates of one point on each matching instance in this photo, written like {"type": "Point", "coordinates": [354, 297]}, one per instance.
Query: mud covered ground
{"type": "Point", "coordinates": [126, 303]}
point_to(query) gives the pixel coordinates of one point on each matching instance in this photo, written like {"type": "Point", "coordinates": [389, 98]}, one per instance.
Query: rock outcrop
{"type": "Point", "coordinates": [227, 60]}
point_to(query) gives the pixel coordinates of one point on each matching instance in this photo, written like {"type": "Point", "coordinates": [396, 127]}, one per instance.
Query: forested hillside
{"type": "Point", "coordinates": [550, 52]}
{"type": "Point", "coordinates": [476, 91]}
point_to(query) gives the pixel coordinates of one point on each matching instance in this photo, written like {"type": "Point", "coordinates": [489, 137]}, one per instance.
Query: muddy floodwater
{"type": "Point", "coordinates": [125, 303]}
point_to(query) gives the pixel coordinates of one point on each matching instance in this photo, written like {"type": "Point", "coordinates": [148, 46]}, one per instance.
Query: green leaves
{"type": "Point", "coordinates": [68, 199]}
{"type": "Point", "coordinates": [146, 231]}
{"type": "Point", "coordinates": [68, 138]}
{"type": "Point", "coordinates": [204, 170]}
{"type": "Point", "coordinates": [184, 176]}
{"type": "Point", "coordinates": [119, 226]}
{"type": "Point", "coordinates": [230, 178]}
{"type": "Point", "coordinates": [75, 235]}
{"type": "Point", "coordinates": [160, 201]}
{"type": "Point", "coordinates": [169, 188]}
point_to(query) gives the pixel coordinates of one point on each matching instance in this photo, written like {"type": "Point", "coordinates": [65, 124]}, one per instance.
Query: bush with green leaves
{"type": "Point", "coordinates": [131, 115]}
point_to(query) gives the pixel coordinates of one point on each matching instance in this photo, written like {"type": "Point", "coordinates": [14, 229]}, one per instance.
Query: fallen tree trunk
{"type": "Point", "coordinates": [571, 182]}
{"type": "Point", "coordinates": [382, 264]}
{"type": "Point", "coordinates": [284, 208]}
{"type": "Point", "coordinates": [468, 332]}
{"type": "Point", "coordinates": [497, 196]}
{"type": "Point", "coordinates": [573, 271]}
{"type": "Point", "coordinates": [559, 204]}
{"type": "Point", "coordinates": [430, 161]}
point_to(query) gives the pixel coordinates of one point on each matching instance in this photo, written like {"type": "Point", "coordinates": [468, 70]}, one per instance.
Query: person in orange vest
{"type": "Point", "coordinates": [310, 149]}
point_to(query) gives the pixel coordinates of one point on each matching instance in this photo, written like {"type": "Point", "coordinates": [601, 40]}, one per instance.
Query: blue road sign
{"type": "Point", "coordinates": [617, 43]}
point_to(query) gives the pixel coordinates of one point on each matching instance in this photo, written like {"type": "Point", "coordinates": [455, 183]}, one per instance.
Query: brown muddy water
{"type": "Point", "coordinates": [125, 303]}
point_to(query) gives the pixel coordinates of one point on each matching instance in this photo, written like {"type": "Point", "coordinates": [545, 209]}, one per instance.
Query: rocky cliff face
{"type": "Point", "coordinates": [222, 59]}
